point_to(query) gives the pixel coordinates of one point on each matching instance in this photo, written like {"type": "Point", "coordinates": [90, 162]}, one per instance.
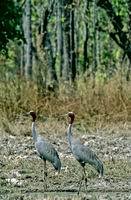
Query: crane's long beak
{"type": "Point", "coordinates": [63, 115]}
{"type": "Point", "coordinates": [26, 114]}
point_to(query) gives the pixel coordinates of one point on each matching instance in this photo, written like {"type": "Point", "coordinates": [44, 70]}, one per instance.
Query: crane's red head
{"type": "Point", "coordinates": [33, 114]}
{"type": "Point", "coordinates": [71, 116]}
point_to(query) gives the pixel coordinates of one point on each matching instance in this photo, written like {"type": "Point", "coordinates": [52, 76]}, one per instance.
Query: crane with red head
{"type": "Point", "coordinates": [82, 153]}
{"type": "Point", "coordinates": [45, 150]}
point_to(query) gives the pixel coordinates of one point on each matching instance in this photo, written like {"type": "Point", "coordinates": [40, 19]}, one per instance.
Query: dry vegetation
{"type": "Point", "coordinates": [94, 106]}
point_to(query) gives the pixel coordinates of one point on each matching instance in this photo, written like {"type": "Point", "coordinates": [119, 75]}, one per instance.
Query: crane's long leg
{"type": "Point", "coordinates": [45, 176]}
{"type": "Point", "coordinates": [80, 185]}
{"type": "Point", "coordinates": [83, 179]}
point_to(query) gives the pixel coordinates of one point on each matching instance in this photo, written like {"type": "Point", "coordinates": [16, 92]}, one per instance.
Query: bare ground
{"type": "Point", "coordinates": [21, 170]}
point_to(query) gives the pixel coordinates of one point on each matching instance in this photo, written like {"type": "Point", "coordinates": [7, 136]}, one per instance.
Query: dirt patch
{"type": "Point", "coordinates": [21, 169]}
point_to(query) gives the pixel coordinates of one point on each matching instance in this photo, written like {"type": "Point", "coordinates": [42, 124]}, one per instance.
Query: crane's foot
{"type": "Point", "coordinates": [45, 188]}
{"type": "Point", "coordinates": [45, 181]}
{"type": "Point", "coordinates": [100, 176]}
{"type": "Point", "coordinates": [80, 185]}
{"type": "Point", "coordinates": [85, 185]}
{"type": "Point", "coordinates": [79, 188]}
{"type": "Point", "coordinates": [56, 173]}
{"type": "Point", "coordinates": [45, 174]}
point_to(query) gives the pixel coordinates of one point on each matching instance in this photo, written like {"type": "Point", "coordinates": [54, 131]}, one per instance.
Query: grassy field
{"type": "Point", "coordinates": [103, 122]}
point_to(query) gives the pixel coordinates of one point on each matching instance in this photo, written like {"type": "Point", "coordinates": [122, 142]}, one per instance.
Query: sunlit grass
{"type": "Point", "coordinates": [95, 105]}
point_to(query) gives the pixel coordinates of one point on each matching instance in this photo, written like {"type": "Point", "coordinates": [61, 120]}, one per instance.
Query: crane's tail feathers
{"type": "Point", "coordinates": [57, 168]}
{"type": "Point", "coordinates": [102, 170]}
{"type": "Point", "coordinates": [99, 167]}
{"type": "Point", "coordinates": [57, 165]}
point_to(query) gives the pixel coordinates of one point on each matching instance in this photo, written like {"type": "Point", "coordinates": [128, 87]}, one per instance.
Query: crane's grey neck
{"type": "Point", "coordinates": [69, 134]}
{"type": "Point", "coordinates": [34, 134]}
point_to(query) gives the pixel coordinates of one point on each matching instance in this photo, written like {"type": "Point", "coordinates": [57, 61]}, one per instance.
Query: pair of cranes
{"type": "Point", "coordinates": [82, 153]}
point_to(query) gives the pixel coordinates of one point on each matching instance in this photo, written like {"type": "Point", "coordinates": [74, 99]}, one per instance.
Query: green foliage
{"type": "Point", "coordinates": [108, 53]}
{"type": "Point", "coordinates": [10, 26]}
{"type": "Point", "coordinates": [121, 8]}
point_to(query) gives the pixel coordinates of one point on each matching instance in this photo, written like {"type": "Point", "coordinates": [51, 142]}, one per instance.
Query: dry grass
{"type": "Point", "coordinates": [94, 106]}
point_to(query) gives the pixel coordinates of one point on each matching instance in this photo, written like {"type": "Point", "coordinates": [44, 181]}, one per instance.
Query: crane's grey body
{"type": "Point", "coordinates": [83, 154]}
{"type": "Point", "coordinates": [45, 150]}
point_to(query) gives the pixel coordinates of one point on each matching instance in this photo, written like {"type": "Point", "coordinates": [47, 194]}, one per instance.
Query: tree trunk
{"type": "Point", "coordinates": [72, 45]}
{"type": "Point", "coordinates": [94, 39]}
{"type": "Point", "coordinates": [22, 61]}
{"type": "Point", "coordinates": [129, 15]}
{"type": "Point", "coordinates": [77, 33]}
{"type": "Point", "coordinates": [45, 46]}
{"type": "Point", "coordinates": [28, 38]}
{"type": "Point", "coordinates": [129, 29]}
{"type": "Point", "coordinates": [66, 73]}
{"type": "Point", "coordinates": [60, 35]}
{"type": "Point", "coordinates": [86, 59]}
{"type": "Point", "coordinates": [51, 60]}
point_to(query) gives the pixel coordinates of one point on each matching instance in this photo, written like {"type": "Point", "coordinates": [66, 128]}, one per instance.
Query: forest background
{"type": "Point", "coordinates": [63, 55]}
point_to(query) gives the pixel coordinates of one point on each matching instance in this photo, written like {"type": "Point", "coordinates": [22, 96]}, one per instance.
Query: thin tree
{"type": "Point", "coordinates": [60, 34]}
{"type": "Point", "coordinates": [94, 68]}
{"type": "Point", "coordinates": [77, 32]}
{"type": "Point", "coordinates": [45, 44]}
{"type": "Point", "coordinates": [66, 73]}
{"type": "Point", "coordinates": [28, 38]}
{"type": "Point", "coordinates": [129, 29]}
{"type": "Point", "coordinates": [72, 43]}
{"type": "Point", "coordinates": [85, 50]}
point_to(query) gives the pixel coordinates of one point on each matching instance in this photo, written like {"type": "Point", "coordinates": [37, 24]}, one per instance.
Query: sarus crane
{"type": "Point", "coordinates": [82, 153]}
{"type": "Point", "coordinates": [45, 150]}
